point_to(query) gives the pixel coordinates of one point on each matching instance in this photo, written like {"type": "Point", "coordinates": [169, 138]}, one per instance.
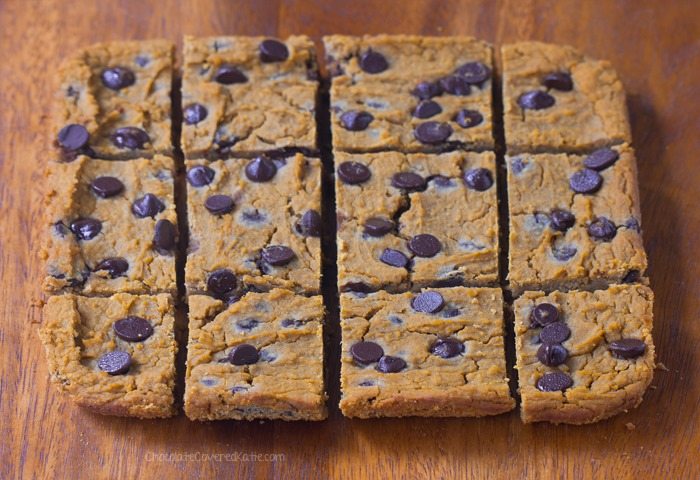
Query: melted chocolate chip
{"type": "Point", "coordinates": [564, 253]}
{"type": "Point", "coordinates": [130, 137]}
{"type": "Point", "coordinates": [221, 282]}
{"type": "Point", "coordinates": [353, 173]}
{"type": "Point", "coordinates": [228, 74]}
{"type": "Point", "coordinates": [247, 324]}
{"type": "Point", "coordinates": [455, 85]}
{"type": "Point", "coordinates": [106, 187]}
{"type": "Point", "coordinates": [115, 362]}
{"type": "Point", "coordinates": [147, 206]}
{"type": "Point", "coordinates": [535, 100]}
{"type": "Point", "coordinates": [432, 133]}
{"type": "Point", "coordinates": [310, 224]}
{"type": "Point", "coordinates": [475, 73]}
{"type": "Point", "coordinates": [86, 228]}
{"type": "Point", "coordinates": [388, 364]}
{"type": "Point", "coordinates": [272, 50]}
{"type": "Point", "coordinates": [164, 237]}
{"type": "Point", "coordinates": [554, 382]}
{"type": "Point", "coordinates": [243, 354]}
{"type": "Point", "coordinates": [73, 137]}
{"type": "Point", "coordinates": [447, 347]}
{"type": "Point", "coordinates": [424, 245]}
{"type": "Point", "coordinates": [555, 332]}
{"type": "Point", "coordinates": [585, 181]}
{"type": "Point", "coordinates": [394, 258]}
{"type": "Point", "coordinates": [408, 181]}
{"type": "Point", "coordinates": [558, 81]}
{"type": "Point", "coordinates": [194, 113]}
{"type": "Point", "coordinates": [428, 302]}
{"type": "Point", "coordinates": [601, 159]}
{"type": "Point", "coordinates": [478, 179]}
{"type": "Point", "coordinates": [373, 62]}
{"type": "Point", "coordinates": [357, 287]}
{"type": "Point", "coordinates": [561, 220]}
{"type": "Point", "coordinates": [468, 118]}
{"type": "Point", "coordinates": [602, 229]}
{"type": "Point", "coordinates": [544, 314]}
{"type": "Point", "coordinates": [426, 90]}
{"type": "Point", "coordinates": [356, 120]}
{"type": "Point", "coordinates": [116, 78]}
{"type": "Point", "coordinates": [378, 227]}
{"type": "Point", "coordinates": [260, 169]}
{"type": "Point", "coordinates": [365, 353]}
{"type": "Point", "coordinates": [219, 204]}
{"type": "Point", "coordinates": [427, 109]}
{"type": "Point", "coordinates": [115, 266]}
{"type": "Point", "coordinates": [133, 329]}
{"type": "Point", "coordinates": [200, 175]}
{"type": "Point", "coordinates": [552, 355]}
{"type": "Point", "coordinates": [632, 276]}
{"type": "Point", "coordinates": [627, 348]}
{"type": "Point", "coordinates": [278, 255]}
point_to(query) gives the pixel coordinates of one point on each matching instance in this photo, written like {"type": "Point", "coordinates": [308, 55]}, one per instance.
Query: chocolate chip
{"type": "Point", "coordinates": [585, 181]}
{"type": "Point", "coordinates": [441, 181]}
{"type": "Point", "coordinates": [358, 287]}
{"type": "Point", "coordinates": [253, 216]}
{"type": "Point", "coordinates": [243, 354]}
{"type": "Point", "coordinates": [564, 253]}
{"type": "Point", "coordinates": [450, 312]}
{"type": "Point", "coordinates": [427, 109]}
{"type": "Point", "coordinates": [552, 354]}
{"type": "Point", "coordinates": [219, 204]}
{"type": "Point", "coordinates": [426, 90]}
{"type": "Point", "coordinates": [365, 353]}
{"type": "Point", "coordinates": [373, 62]}
{"type": "Point", "coordinates": [130, 137]}
{"type": "Point", "coordinates": [558, 81]}
{"type": "Point", "coordinates": [378, 227]}
{"type": "Point", "coordinates": [555, 332]}
{"type": "Point", "coordinates": [633, 224]}
{"type": "Point", "coordinates": [164, 236]}
{"type": "Point", "coordinates": [106, 187]}
{"type": "Point", "coordinates": [554, 382]}
{"type": "Point", "coordinates": [133, 329]}
{"type": "Point", "coordinates": [468, 118]}
{"type": "Point", "coordinates": [408, 181]}
{"type": "Point", "coordinates": [627, 348]}
{"type": "Point", "coordinates": [353, 173]}
{"type": "Point", "coordinates": [394, 258]}
{"type": "Point", "coordinates": [247, 324]}
{"type": "Point", "coordinates": [602, 229]}
{"type": "Point", "coordinates": [474, 72]}
{"type": "Point", "coordinates": [395, 320]}
{"type": "Point", "coordinates": [388, 364]}
{"type": "Point", "coordinates": [228, 74]}
{"type": "Point", "coordinates": [447, 347]}
{"type": "Point", "coordinates": [366, 383]}
{"type": "Point", "coordinates": [478, 179]}
{"type": "Point", "coordinates": [115, 362]}
{"type": "Point", "coordinates": [561, 220]}
{"type": "Point", "coordinates": [194, 113]}
{"type": "Point", "coordinates": [115, 266]}
{"type": "Point", "coordinates": [631, 277]}
{"type": "Point", "coordinates": [73, 137]}
{"type": "Point", "coordinates": [116, 78]}
{"type": "Point", "coordinates": [455, 85]}
{"type": "Point", "coordinates": [260, 169]}
{"type": "Point", "coordinates": [356, 120]}
{"type": "Point", "coordinates": [272, 50]}
{"type": "Point", "coordinates": [147, 206]}
{"type": "Point", "coordinates": [86, 228]}
{"type": "Point", "coordinates": [601, 159]}
{"type": "Point", "coordinates": [544, 314]}
{"type": "Point", "coordinates": [424, 245]}
{"type": "Point", "coordinates": [291, 322]}
{"type": "Point", "coordinates": [221, 282]}
{"type": "Point", "coordinates": [200, 175]}
{"type": "Point", "coordinates": [518, 165]}
{"type": "Point", "coordinates": [278, 255]}
{"type": "Point", "coordinates": [432, 132]}
{"type": "Point", "coordinates": [535, 100]}
{"type": "Point", "coordinates": [428, 302]}
{"type": "Point", "coordinates": [310, 224]}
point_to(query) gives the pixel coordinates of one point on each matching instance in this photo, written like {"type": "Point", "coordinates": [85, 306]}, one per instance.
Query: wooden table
{"type": "Point", "coordinates": [655, 47]}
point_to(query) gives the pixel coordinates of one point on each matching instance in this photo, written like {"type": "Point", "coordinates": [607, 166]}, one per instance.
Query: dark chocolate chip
{"type": "Point", "coordinates": [428, 302]}
{"type": "Point", "coordinates": [106, 187]}
{"type": "Point", "coordinates": [373, 62]}
{"type": "Point", "coordinates": [441, 181]}
{"type": "Point", "coordinates": [133, 329]}
{"type": "Point", "coordinates": [633, 224]}
{"type": "Point", "coordinates": [365, 353]}
{"type": "Point", "coordinates": [427, 109]}
{"type": "Point", "coordinates": [555, 332]}
{"type": "Point", "coordinates": [552, 354]}
{"type": "Point", "coordinates": [247, 323]}
{"type": "Point", "coordinates": [142, 60]}
{"type": "Point", "coordinates": [253, 216]}
{"type": "Point", "coordinates": [561, 220]}
{"type": "Point", "coordinates": [194, 113]}
{"type": "Point", "coordinates": [408, 181]}
{"type": "Point", "coordinates": [455, 85]}
{"type": "Point", "coordinates": [243, 354]}
{"type": "Point", "coordinates": [432, 133]}
{"type": "Point", "coordinates": [115, 362]}
{"type": "Point", "coordinates": [378, 227]}
{"type": "Point", "coordinates": [585, 181]}
{"type": "Point", "coordinates": [164, 236]}
{"type": "Point", "coordinates": [394, 258]}
{"type": "Point", "coordinates": [115, 266]}
{"type": "Point", "coordinates": [450, 312]}
{"type": "Point", "coordinates": [116, 78]}
{"type": "Point", "coordinates": [602, 229]}
{"type": "Point", "coordinates": [632, 276]}
{"type": "Point", "coordinates": [356, 120]}
{"type": "Point", "coordinates": [366, 383]}
{"type": "Point", "coordinates": [474, 72]}
{"type": "Point", "coordinates": [564, 253]}
{"type": "Point", "coordinates": [389, 364]}
{"type": "Point", "coordinates": [73, 137]}
{"type": "Point", "coordinates": [310, 224]}
{"type": "Point", "coordinates": [601, 159]}
{"type": "Point", "coordinates": [544, 314]}
{"type": "Point", "coordinates": [517, 165]}
{"type": "Point", "coordinates": [466, 118]}
{"type": "Point", "coordinates": [200, 175]}
{"type": "Point", "coordinates": [86, 228]}
{"type": "Point", "coordinates": [260, 169]}
{"type": "Point", "coordinates": [147, 206]}
{"type": "Point", "coordinates": [278, 255]}
{"type": "Point", "coordinates": [228, 74]}
{"type": "Point", "coordinates": [424, 245]}
{"type": "Point", "coordinates": [272, 50]}
{"type": "Point", "coordinates": [130, 137]}
{"type": "Point", "coordinates": [558, 81]}
{"type": "Point", "coordinates": [535, 100]}
{"type": "Point", "coordinates": [291, 322]}
{"type": "Point", "coordinates": [357, 287]}
{"type": "Point", "coordinates": [221, 282]}
{"type": "Point", "coordinates": [627, 348]}
{"type": "Point", "coordinates": [447, 347]}
{"type": "Point", "coordinates": [219, 204]}
{"type": "Point", "coordinates": [353, 173]}
{"type": "Point", "coordinates": [478, 179]}
{"type": "Point", "coordinates": [426, 90]}
{"type": "Point", "coordinates": [554, 382]}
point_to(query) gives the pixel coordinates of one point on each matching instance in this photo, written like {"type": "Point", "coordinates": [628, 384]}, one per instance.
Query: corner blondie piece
{"type": "Point", "coordinates": [259, 358]}
{"type": "Point", "coordinates": [114, 355]}
{"type": "Point", "coordinates": [574, 220]}
{"type": "Point", "coordinates": [439, 353]}
{"type": "Point", "coordinates": [114, 101]}
{"type": "Point", "coordinates": [254, 223]}
{"type": "Point", "coordinates": [583, 356]}
{"type": "Point", "coordinates": [410, 93]}
{"type": "Point", "coordinates": [245, 95]}
{"type": "Point", "coordinates": [557, 100]}
{"type": "Point", "coordinates": [416, 220]}
{"type": "Point", "coordinates": [112, 227]}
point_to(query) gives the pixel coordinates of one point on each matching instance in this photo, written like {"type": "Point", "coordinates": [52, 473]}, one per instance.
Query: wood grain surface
{"type": "Point", "coordinates": [655, 46]}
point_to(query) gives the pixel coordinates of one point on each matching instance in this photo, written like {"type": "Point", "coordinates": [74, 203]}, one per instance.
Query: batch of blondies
{"type": "Point", "coordinates": [446, 162]}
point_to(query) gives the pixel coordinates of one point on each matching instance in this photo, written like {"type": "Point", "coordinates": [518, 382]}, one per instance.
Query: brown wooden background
{"type": "Point", "coordinates": [655, 45]}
